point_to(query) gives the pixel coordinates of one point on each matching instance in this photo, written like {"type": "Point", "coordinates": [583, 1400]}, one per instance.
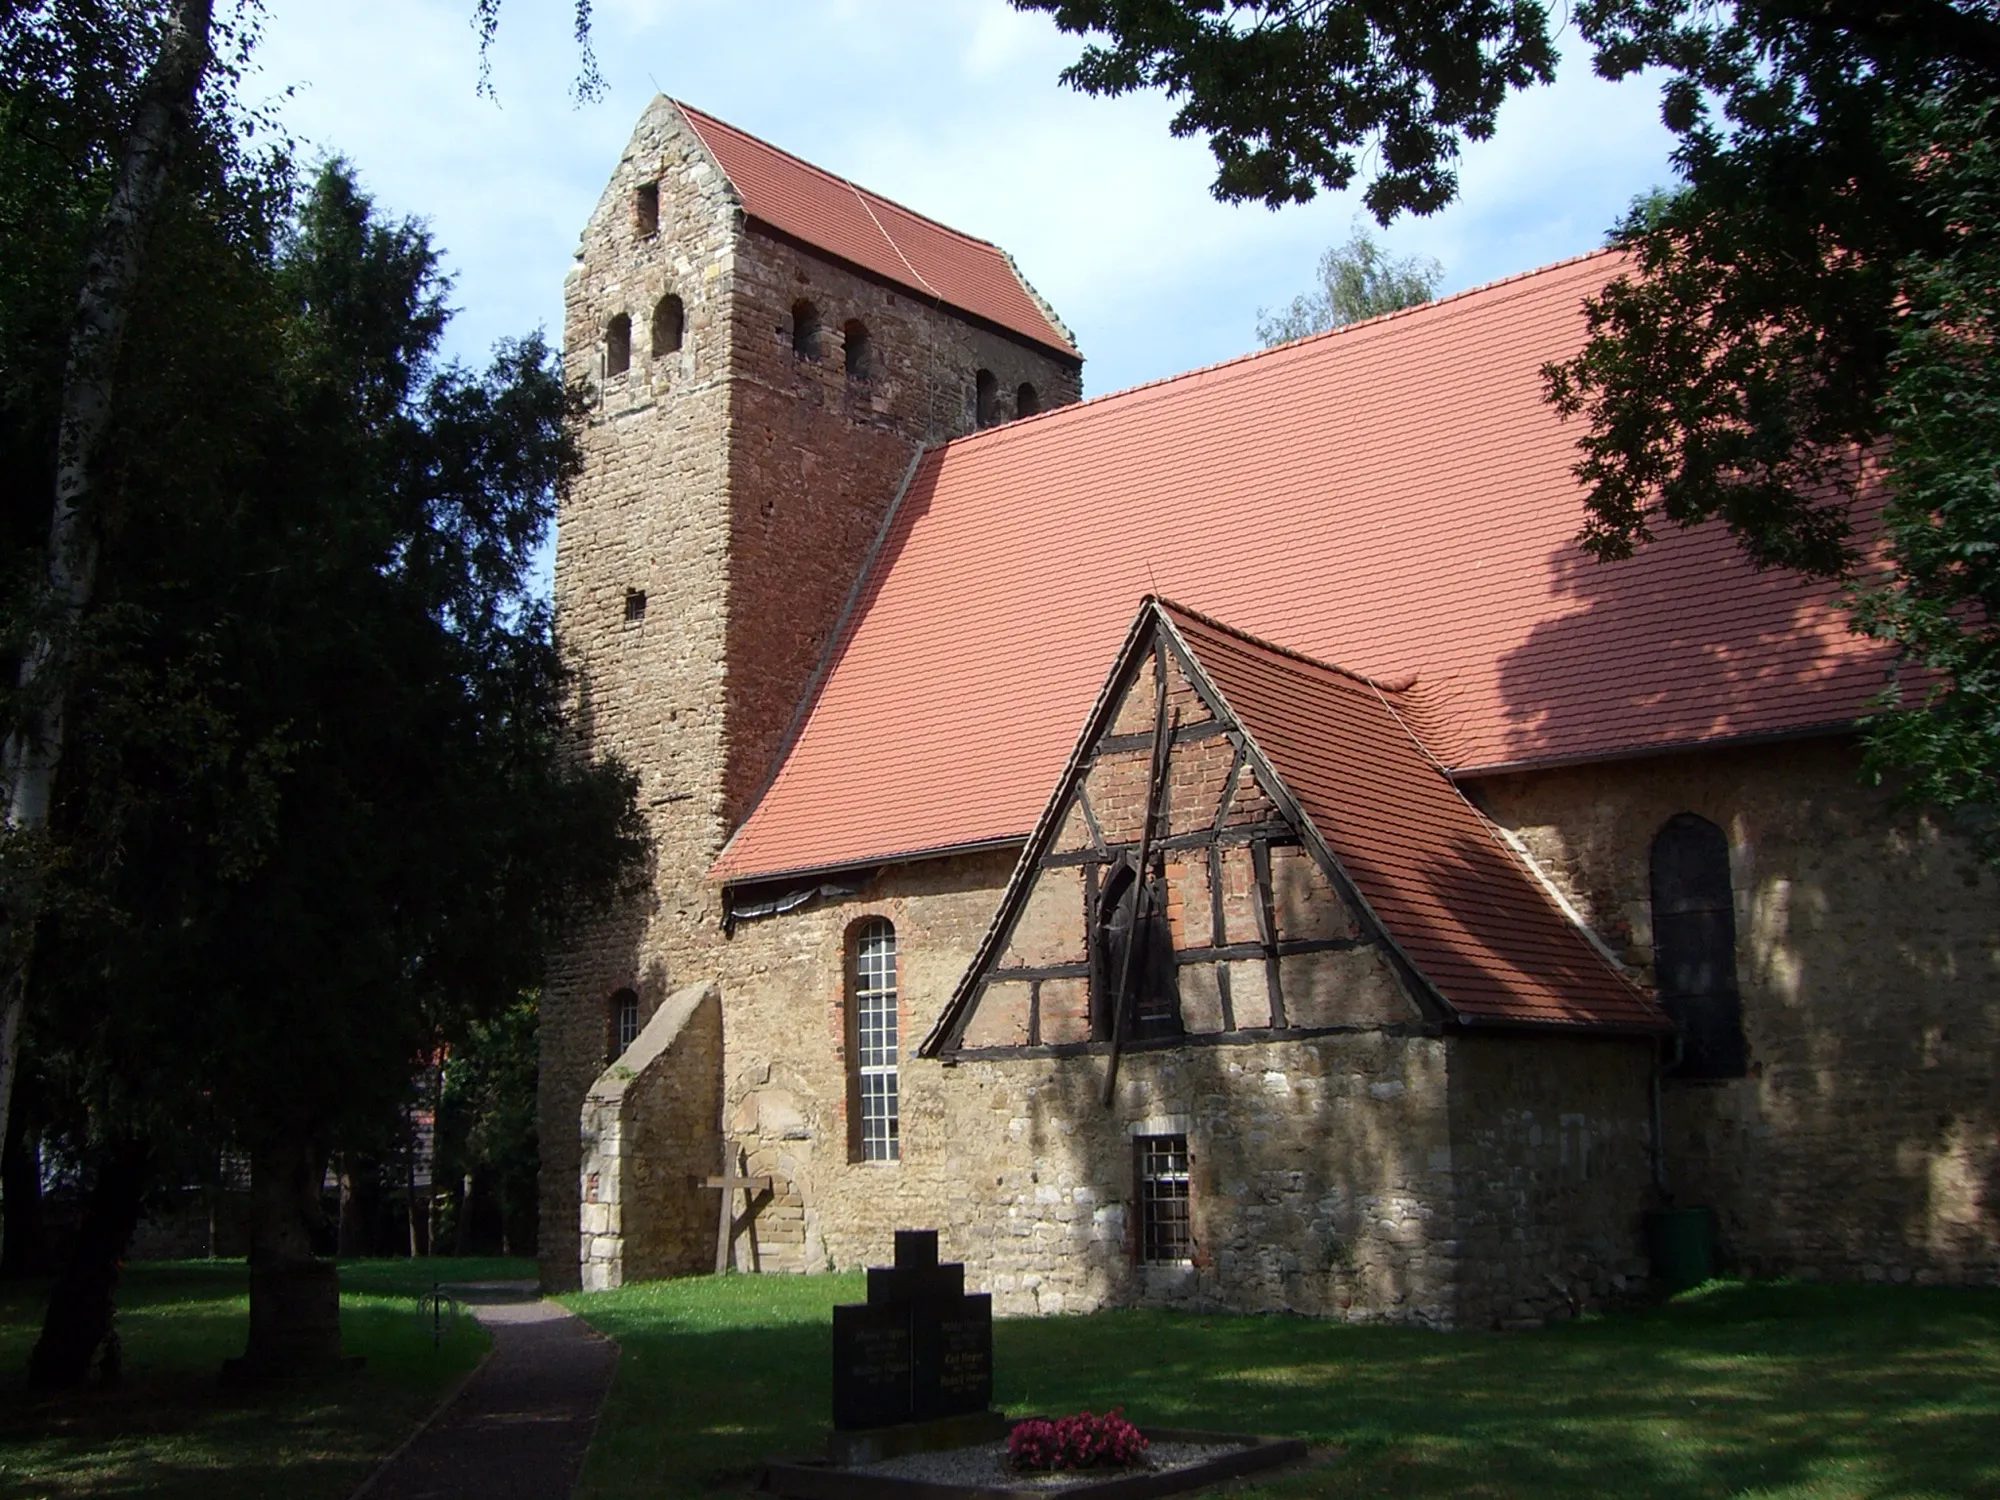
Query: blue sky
{"type": "Point", "coordinates": [950, 106]}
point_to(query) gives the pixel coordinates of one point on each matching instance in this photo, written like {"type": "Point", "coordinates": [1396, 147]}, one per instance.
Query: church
{"type": "Point", "coordinates": [1219, 844]}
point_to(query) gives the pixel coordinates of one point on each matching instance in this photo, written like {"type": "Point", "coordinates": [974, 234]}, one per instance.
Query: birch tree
{"type": "Point", "coordinates": [32, 753]}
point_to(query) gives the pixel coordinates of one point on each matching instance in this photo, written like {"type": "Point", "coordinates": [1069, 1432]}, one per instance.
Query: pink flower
{"type": "Point", "coordinates": [1084, 1441]}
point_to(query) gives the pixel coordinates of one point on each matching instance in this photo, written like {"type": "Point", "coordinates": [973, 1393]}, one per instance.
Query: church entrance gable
{"type": "Point", "coordinates": [1172, 894]}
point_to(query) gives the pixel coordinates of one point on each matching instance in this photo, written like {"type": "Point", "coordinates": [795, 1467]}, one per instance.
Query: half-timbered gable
{"type": "Point", "coordinates": [1248, 842]}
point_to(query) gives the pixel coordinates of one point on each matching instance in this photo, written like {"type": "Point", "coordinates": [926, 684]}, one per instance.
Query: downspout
{"type": "Point", "coordinates": [1663, 1058]}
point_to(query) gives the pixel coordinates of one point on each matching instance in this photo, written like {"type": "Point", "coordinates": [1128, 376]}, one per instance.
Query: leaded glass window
{"type": "Point", "coordinates": [1165, 1237]}
{"type": "Point", "coordinates": [875, 1043]}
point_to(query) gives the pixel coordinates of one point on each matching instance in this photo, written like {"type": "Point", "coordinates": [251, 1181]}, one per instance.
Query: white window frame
{"type": "Point", "coordinates": [877, 1054]}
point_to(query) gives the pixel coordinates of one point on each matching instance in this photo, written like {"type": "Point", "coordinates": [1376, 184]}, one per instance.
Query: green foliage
{"type": "Point", "coordinates": [1781, 1391]}
{"type": "Point", "coordinates": [1941, 602]}
{"type": "Point", "coordinates": [486, 1117]}
{"type": "Point", "coordinates": [172, 1433]}
{"type": "Point", "coordinates": [1289, 94]}
{"type": "Point", "coordinates": [1357, 280]}
{"type": "Point", "coordinates": [317, 811]}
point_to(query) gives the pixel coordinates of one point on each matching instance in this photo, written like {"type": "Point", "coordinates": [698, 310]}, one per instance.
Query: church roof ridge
{"type": "Point", "coordinates": [1290, 346]}
{"type": "Point", "coordinates": [1173, 607]}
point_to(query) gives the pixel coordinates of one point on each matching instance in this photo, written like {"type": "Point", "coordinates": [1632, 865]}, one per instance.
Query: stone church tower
{"type": "Point", "coordinates": [767, 348]}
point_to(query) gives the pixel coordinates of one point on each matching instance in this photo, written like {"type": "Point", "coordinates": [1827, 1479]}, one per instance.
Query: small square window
{"type": "Point", "coordinates": [1165, 1235]}
{"type": "Point", "coordinates": [646, 209]}
{"type": "Point", "coordinates": [635, 605]}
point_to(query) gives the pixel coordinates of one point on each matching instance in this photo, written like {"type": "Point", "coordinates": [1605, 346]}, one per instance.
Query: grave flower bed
{"type": "Point", "coordinates": [1084, 1441]}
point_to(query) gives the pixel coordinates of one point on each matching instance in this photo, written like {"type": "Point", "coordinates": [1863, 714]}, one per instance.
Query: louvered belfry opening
{"type": "Point", "coordinates": [1694, 946]}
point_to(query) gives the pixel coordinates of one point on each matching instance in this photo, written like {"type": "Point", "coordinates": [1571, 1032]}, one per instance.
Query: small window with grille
{"type": "Point", "coordinates": [624, 1021]}
{"type": "Point", "coordinates": [1165, 1238]}
{"type": "Point", "coordinates": [877, 1134]}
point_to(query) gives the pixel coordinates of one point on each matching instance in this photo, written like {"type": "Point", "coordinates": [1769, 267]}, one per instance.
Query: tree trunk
{"type": "Point", "coordinates": [24, 1238]}
{"type": "Point", "coordinates": [83, 1303]}
{"type": "Point", "coordinates": [110, 279]}
{"type": "Point", "coordinates": [294, 1296]}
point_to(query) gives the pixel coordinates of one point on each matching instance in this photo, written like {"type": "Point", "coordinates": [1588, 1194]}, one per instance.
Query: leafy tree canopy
{"type": "Point", "coordinates": [318, 811]}
{"type": "Point", "coordinates": [1357, 280]}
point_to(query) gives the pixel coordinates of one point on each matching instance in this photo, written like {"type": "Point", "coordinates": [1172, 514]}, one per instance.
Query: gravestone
{"type": "Point", "coordinates": [917, 1355]}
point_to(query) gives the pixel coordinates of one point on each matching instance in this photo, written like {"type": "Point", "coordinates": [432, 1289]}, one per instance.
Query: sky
{"type": "Point", "coordinates": [952, 107]}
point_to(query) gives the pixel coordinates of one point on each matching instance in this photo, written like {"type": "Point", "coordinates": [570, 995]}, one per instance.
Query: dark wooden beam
{"type": "Point", "coordinates": [1036, 973]}
{"type": "Point", "coordinates": [1187, 734]}
{"type": "Point", "coordinates": [1267, 924]}
{"type": "Point", "coordinates": [1277, 835]}
{"type": "Point", "coordinates": [1229, 783]}
{"type": "Point", "coordinates": [1218, 933]}
{"type": "Point", "coordinates": [1288, 948]}
{"type": "Point", "coordinates": [1090, 818]}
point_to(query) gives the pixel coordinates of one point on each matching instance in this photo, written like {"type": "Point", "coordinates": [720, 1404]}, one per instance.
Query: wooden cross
{"type": "Point", "coordinates": [730, 1180]}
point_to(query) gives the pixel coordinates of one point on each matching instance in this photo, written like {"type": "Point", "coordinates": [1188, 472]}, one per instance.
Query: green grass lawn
{"type": "Point", "coordinates": [1762, 1389]}
{"type": "Point", "coordinates": [171, 1431]}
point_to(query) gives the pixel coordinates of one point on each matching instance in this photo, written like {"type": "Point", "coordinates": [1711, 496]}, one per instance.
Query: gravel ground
{"type": "Point", "coordinates": [986, 1464]}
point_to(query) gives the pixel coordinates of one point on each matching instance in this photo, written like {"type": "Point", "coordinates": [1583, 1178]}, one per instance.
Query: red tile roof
{"type": "Point", "coordinates": [1462, 906]}
{"type": "Point", "coordinates": [1394, 496]}
{"type": "Point", "coordinates": [868, 230]}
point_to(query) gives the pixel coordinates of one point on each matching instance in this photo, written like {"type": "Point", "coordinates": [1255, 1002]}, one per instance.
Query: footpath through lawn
{"type": "Point", "coordinates": [171, 1431]}
{"type": "Point", "coordinates": [1764, 1389]}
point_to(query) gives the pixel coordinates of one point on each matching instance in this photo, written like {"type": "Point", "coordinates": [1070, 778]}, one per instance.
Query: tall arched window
{"type": "Point", "coordinates": [805, 330]}
{"type": "Point", "coordinates": [1694, 946]}
{"type": "Point", "coordinates": [985, 394]}
{"type": "Point", "coordinates": [854, 340]}
{"type": "Point", "coordinates": [618, 345]}
{"type": "Point", "coordinates": [1026, 401]}
{"type": "Point", "coordinates": [624, 1021]}
{"type": "Point", "coordinates": [873, 1069]}
{"type": "Point", "coordinates": [669, 320]}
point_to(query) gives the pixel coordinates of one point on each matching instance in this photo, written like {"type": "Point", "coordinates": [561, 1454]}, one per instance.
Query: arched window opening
{"type": "Point", "coordinates": [1132, 957]}
{"type": "Point", "coordinates": [873, 1072]}
{"type": "Point", "coordinates": [646, 209]}
{"type": "Point", "coordinates": [805, 330]}
{"type": "Point", "coordinates": [624, 1021]}
{"type": "Point", "coordinates": [1026, 401]}
{"type": "Point", "coordinates": [618, 345]}
{"type": "Point", "coordinates": [669, 321]}
{"type": "Point", "coordinates": [854, 340]}
{"type": "Point", "coordinates": [1694, 946]}
{"type": "Point", "coordinates": [985, 392]}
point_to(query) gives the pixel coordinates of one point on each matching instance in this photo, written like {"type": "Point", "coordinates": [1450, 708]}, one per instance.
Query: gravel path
{"type": "Point", "coordinates": [516, 1430]}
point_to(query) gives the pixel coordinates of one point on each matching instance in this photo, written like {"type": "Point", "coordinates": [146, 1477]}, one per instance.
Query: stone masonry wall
{"type": "Point", "coordinates": [1551, 1151]}
{"type": "Point", "coordinates": [1367, 1176]}
{"type": "Point", "coordinates": [739, 489]}
{"type": "Point", "coordinates": [647, 514]}
{"type": "Point", "coordinates": [650, 1135]}
{"type": "Point", "coordinates": [1865, 1141]}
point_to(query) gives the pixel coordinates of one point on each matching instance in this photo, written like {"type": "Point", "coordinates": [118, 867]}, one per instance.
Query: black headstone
{"type": "Point", "coordinates": [871, 1365]}
{"type": "Point", "coordinates": [919, 1348]}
